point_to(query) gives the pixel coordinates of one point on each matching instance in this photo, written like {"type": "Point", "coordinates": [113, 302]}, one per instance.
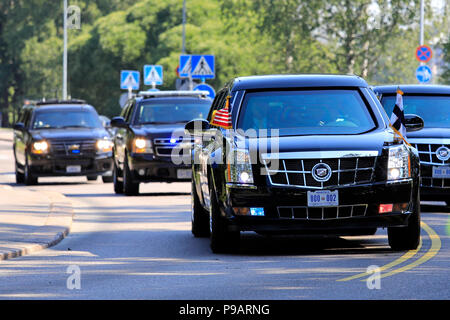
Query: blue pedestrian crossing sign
{"type": "Point", "coordinates": [423, 74]}
{"type": "Point", "coordinates": [153, 75]}
{"type": "Point", "coordinates": [203, 67]}
{"type": "Point", "coordinates": [185, 66]}
{"type": "Point", "coordinates": [129, 79]}
{"type": "Point", "coordinates": [197, 66]}
{"type": "Point", "coordinates": [206, 87]}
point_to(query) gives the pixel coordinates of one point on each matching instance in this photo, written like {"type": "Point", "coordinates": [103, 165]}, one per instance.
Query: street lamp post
{"type": "Point", "coordinates": [64, 86]}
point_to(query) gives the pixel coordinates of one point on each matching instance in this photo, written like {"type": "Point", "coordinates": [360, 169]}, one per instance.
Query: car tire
{"type": "Point", "coordinates": [29, 178]}
{"type": "Point", "coordinates": [130, 188]}
{"type": "Point", "coordinates": [222, 240]}
{"type": "Point", "coordinates": [20, 177]}
{"type": "Point", "coordinates": [91, 178]}
{"type": "Point", "coordinates": [118, 185]}
{"type": "Point", "coordinates": [199, 216]}
{"type": "Point", "coordinates": [406, 238]}
{"type": "Point", "coordinates": [107, 179]}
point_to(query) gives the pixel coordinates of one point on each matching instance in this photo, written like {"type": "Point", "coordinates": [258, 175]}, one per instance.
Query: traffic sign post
{"type": "Point", "coordinates": [153, 75]}
{"type": "Point", "coordinates": [423, 74]}
{"type": "Point", "coordinates": [203, 67]}
{"type": "Point", "coordinates": [424, 53]}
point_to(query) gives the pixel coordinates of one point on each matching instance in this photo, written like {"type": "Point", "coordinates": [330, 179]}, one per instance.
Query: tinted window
{"type": "Point", "coordinates": [171, 110]}
{"type": "Point", "coordinates": [68, 118]}
{"type": "Point", "coordinates": [306, 112]}
{"type": "Point", "coordinates": [434, 110]}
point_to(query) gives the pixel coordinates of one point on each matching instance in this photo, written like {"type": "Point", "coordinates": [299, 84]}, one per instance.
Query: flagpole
{"type": "Point", "coordinates": [422, 17]}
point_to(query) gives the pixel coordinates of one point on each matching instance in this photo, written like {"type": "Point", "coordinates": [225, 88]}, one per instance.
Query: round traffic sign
{"type": "Point", "coordinates": [206, 87]}
{"type": "Point", "coordinates": [424, 53]}
{"type": "Point", "coordinates": [423, 74]}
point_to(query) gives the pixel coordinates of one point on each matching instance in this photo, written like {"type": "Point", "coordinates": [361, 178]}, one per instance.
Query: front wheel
{"type": "Point", "coordinates": [107, 179]}
{"type": "Point", "coordinates": [222, 240]}
{"type": "Point", "coordinates": [29, 178]}
{"type": "Point", "coordinates": [130, 188]}
{"type": "Point", "coordinates": [91, 178]}
{"type": "Point", "coordinates": [118, 185]}
{"type": "Point", "coordinates": [199, 217]}
{"type": "Point", "coordinates": [406, 238]}
{"type": "Point", "coordinates": [20, 177]}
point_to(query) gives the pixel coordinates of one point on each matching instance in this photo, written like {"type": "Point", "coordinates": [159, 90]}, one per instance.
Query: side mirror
{"type": "Point", "coordinates": [19, 126]}
{"type": "Point", "coordinates": [118, 122]}
{"type": "Point", "coordinates": [413, 122]}
{"type": "Point", "coordinates": [197, 126]}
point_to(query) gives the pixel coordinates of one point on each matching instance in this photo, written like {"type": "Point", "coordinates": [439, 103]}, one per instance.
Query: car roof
{"type": "Point", "coordinates": [413, 89]}
{"type": "Point", "coordinates": [298, 81]}
{"type": "Point", "coordinates": [56, 107]}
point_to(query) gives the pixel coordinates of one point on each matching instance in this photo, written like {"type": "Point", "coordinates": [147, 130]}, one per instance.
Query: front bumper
{"type": "Point", "coordinates": [49, 165]}
{"type": "Point", "coordinates": [364, 199]}
{"type": "Point", "coordinates": [148, 168]}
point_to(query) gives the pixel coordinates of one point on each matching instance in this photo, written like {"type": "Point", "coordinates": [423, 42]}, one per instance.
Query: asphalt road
{"type": "Point", "coordinates": [142, 248]}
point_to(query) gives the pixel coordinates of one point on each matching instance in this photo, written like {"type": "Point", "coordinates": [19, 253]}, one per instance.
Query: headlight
{"type": "Point", "coordinates": [399, 164]}
{"type": "Point", "coordinates": [239, 168]}
{"type": "Point", "coordinates": [39, 147]}
{"type": "Point", "coordinates": [142, 145]}
{"type": "Point", "coordinates": [104, 145]}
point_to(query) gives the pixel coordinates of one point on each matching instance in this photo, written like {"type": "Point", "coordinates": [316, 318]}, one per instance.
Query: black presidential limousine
{"type": "Point", "coordinates": [432, 104]}
{"type": "Point", "coordinates": [305, 153]}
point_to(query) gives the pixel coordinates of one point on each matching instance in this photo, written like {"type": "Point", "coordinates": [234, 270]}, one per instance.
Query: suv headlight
{"type": "Point", "coordinates": [239, 168]}
{"type": "Point", "coordinates": [40, 147]}
{"type": "Point", "coordinates": [142, 145]}
{"type": "Point", "coordinates": [104, 145]}
{"type": "Point", "coordinates": [399, 164]}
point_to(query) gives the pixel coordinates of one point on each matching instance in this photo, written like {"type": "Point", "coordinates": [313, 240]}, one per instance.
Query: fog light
{"type": "Point", "coordinates": [385, 208]}
{"type": "Point", "coordinates": [141, 172]}
{"type": "Point", "coordinates": [259, 212]}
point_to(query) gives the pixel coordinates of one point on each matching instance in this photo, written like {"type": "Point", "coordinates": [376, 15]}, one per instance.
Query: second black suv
{"type": "Point", "coordinates": [150, 127]}
{"type": "Point", "coordinates": [61, 138]}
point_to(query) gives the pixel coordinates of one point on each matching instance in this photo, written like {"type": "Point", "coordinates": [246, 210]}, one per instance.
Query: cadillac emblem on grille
{"type": "Point", "coordinates": [321, 172]}
{"type": "Point", "coordinates": [443, 153]}
{"type": "Point", "coordinates": [74, 148]}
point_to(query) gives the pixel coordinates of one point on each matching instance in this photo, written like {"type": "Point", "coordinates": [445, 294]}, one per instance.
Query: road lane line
{"type": "Point", "coordinates": [408, 255]}
{"type": "Point", "coordinates": [435, 247]}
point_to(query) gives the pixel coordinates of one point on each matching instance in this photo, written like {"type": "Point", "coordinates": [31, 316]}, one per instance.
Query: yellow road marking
{"type": "Point", "coordinates": [435, 247]}
{"type": "Point", "coordinates": [394, 263]}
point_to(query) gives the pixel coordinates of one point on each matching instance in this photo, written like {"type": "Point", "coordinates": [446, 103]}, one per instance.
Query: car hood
{"type": "Point", "coordinates": [160, 130]}
{"type": "Point", "coordinates": [70, 134]}
{"type": "Point", "coordinates": [436, 133]}
{"type": "Point", "coordinates": [373, 141]}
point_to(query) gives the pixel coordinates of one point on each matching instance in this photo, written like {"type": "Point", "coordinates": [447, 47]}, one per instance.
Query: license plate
{"type": "Point", "coordinates": [184, 174]}
{"type": "Point", "coordinates": [323, 198]}
{"type": "Point", "coordinates": [73, 169]}
{"type": "Point", "coordinates": [441, 172]}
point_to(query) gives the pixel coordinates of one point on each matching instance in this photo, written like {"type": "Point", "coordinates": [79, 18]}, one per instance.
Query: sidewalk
{"type": "Point", "coordinates": [31, 220]}
{"type": "Point", "coordinates": [6, 134]}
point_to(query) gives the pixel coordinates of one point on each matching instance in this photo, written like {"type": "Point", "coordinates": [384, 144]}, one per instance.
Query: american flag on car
{"type": "Point", "coordinates": [222, 117]}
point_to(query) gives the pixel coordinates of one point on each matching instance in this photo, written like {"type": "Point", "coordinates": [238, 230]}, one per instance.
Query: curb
{"type": "Point", "coordinates": [56, 228]}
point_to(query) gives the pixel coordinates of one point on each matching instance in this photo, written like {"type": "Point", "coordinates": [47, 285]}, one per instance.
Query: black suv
{"type": "Point", "coordinates": [61, 138]}
{"type": "Point", "coordinates": [306, 153]}
{"type": "Point", "coordinates": [149, 133]}
{"type": "Point", "coordinates": [432, 104]}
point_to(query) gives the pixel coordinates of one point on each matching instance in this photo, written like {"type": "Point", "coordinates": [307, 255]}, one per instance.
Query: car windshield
{"type": "Point", "coordinates": [306, 112]}
{"type": "Point", "coordinates": [434, 110]}
{"type": "Point", "coordinates": [172, 111]}
{"type": "Point", "coordinates": [59, 119]}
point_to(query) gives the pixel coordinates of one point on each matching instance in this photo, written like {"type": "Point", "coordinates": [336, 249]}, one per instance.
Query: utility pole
{"type": "Point", "coordinates": [422, 17]}
{"type": "Point", "coordinates": [183, 47]}
{"type": "Point", "coordinates": [64, 86]}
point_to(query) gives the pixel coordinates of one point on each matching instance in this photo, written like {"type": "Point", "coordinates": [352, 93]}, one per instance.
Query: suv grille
{"type": "Point", "coordinates": [324, 213]}
{"type": "Point", "coordinates": [163, 146]}
{"type": "Point", "coordinates": [345, 171]}
{"type": "Point", "coordinates": [63, 148]}
{"type": "Point", "coordinates": [428, 159]}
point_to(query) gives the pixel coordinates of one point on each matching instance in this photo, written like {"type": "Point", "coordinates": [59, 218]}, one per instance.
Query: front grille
{"type": "Point", "coordinates": [428, 159]}
{"type": "Point", "coordinates": [298, 172]}
{"type": "Point", "coordinates": [63, 148]}
{"type": "Point", "coordinates": [164, 147]}
{"type": "Point", "coordinates": [323, 213]}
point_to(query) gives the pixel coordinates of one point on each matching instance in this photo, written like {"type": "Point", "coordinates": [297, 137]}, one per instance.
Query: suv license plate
{"type": "Point", "coordinates": [73, 169]}
{"type": "Point", "coordinates": [323, 198]}
{"type": "Point", "coordinates": [184, 174]}
{"type": "Point", "coordinates": [441, 172]}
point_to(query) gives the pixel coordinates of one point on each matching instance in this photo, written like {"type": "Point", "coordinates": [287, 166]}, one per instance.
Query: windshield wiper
{"type": "Point", "coordinates": [74, 126]}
